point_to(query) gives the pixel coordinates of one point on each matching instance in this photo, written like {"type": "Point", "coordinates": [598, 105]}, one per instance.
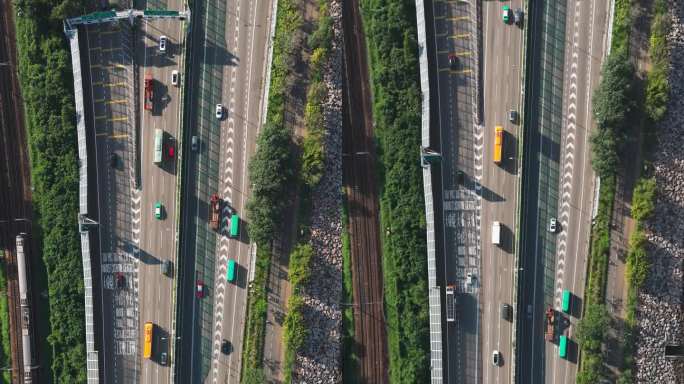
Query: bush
{"type": "Point", "coordinates": [643, 199]}
{"type": "Point", "coordinates": [621, 26]}
{"type": "Point", "coordinates": [391, 35]}
{"type": "Point", "coordinates": [5, 352]}
{"type": "Point", "coordinates": [47, 86]}
{"type": "Point", "coordinates": [611, 105]}
{"type": "Point", "coordinates": [270, 171]}
{"type": "Point", "coordinates": [592, 327]}
{"type": "Point", "coordinates": [657, 86]}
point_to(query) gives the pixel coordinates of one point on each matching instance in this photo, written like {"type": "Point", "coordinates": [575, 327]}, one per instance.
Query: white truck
{"type": "Point", "coordinates": [496, 233]}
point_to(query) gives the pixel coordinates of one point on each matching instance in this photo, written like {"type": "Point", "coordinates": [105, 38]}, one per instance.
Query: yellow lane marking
{"type": "Point", "coordinates": [114, 84]}
{"type": "Point", "coordinates": [124, 118]}
{"type": "Point", "coordinates": [119, 136]}
{"type": "Point", "coordinates": [100, 117]}
{"type": "Point", "coordinates": [460, 36]}
{"type": "Point", "coordinates": [458, 18]}
{"type": "Point", "coordinates": [99, 100]}
{"type": "Point", "coordinates": [111, 49]}
{"type": "Point", "coordinates": [464, 53]}
{"type": "Point", "coordinates": [120, 101]}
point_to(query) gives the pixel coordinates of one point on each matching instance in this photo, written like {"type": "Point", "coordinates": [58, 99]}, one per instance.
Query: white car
{"type": "Point", "coordinates": [496, 358]}
{"type": "Point", "coordinates": [174, 77]}
{"type": "Point", "coordinates": [219, 111]}
{"type": "Point", "coordinates": [162, 44]}
{"type": "Point", "coordinates": [553, 225]}
{"type": "Point", "coordinates": [469, 278]}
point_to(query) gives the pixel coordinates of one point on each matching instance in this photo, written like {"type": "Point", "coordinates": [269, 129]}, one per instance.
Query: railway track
{"type": "Point", "coordinates": [15, 194]}
{"type": "Point", "coordinates": [362, 199]}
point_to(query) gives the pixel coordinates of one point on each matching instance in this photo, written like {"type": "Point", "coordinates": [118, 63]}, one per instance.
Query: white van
{"type": "Point", "coordinates": [496, 233]}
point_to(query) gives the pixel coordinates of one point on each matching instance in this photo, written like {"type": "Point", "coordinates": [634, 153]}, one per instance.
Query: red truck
{"type": "Point", "coordinates": [550, 324]}
{"type": "Point", "coordinates": [215, 211]}
{"type": "Point", "coordinates": [149, 91]}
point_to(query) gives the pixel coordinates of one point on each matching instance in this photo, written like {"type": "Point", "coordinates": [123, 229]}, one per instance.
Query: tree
{"type": "Point", "coordinates": [612, 99]}
{"type": "Point", "coordinates": [592, 327]}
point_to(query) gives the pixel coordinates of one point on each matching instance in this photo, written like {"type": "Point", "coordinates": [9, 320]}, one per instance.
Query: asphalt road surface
{"type": "Point", "coordinates": [585, 49]}
{"type": "Point", "coordinates": [568, 42]}
{"type": "Point", "coordinates": [501, 77]}
{"type": "Point", "coordinates": [132, 242]}
{"type": "Point", "coordinates": [158, 241]}
{"type": "Point", "coordinates": [454, 32]}
{"type": "Point", "coordinates": [227, 67]}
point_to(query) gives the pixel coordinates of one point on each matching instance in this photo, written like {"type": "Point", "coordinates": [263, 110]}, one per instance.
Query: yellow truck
{"type": "Point", "coordinates": [498, 143]}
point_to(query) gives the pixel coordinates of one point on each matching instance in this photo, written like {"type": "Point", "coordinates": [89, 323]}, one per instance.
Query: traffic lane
{"type": "Point", "coordinates": [501, 91]}
{"type": "Point", "coordinates": [246, 122]}
{"type": "Point", "coordinates": [592, 32]}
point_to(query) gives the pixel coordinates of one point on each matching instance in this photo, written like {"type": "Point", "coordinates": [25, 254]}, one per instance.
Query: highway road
{"type": "Point", "coordinates": [132, 242]}
{"type": "Point", "coordinates": [585, 49]}
{"type": "Point", "coordinates": [568, 44]}
{"type": "Point", "coordinates": [452, 26]}
{"type": "Point", "coordinates": [501, 79]}
{"type": "Point", "coordinates": [158, 239]}
{"type": "Point", "coordinates": [230, 41]}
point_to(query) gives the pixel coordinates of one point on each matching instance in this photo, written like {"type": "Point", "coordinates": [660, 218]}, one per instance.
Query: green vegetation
{"type": "Point", "coordinates": [615, 104]}
{"type": "Point", "coordinates": [612, 104]}
{"type": "Point", "coordinates": [294, 329]}
{"type": "Point", "coordinates": [657, 86]}
{"type": "Point", "coordinates": [47, 86]}
{"type": "Point", "coordinates": [5, 352]}
{"type": "Point", "coordinates": [390, 28]}
{"type": "Point", "coordinates": [622, 22]}
{"type": "Point", "coordinates": [272, 172]}
{"type": "Point", "coordinates": [253, 349]}
{"type": "Point", "coordinates": [350, 360]}
{"type": "Point", "coordinates": [636, 269]}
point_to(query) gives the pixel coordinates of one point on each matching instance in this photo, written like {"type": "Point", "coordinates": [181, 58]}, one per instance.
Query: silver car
{"type": "Point", "coordinates": [219, 111]}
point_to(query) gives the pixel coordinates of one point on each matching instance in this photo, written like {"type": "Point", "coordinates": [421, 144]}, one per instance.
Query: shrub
{"type": "Point", "coordinates": [392, 44]}
{"type": "Point", "coordinates": [643, 199]}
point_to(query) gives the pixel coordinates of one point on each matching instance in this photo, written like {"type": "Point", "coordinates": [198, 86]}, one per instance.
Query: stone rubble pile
{"type": "Point", "coordinates": [319, 360]}
{"type": "Point", "coordinates": [660, 318]}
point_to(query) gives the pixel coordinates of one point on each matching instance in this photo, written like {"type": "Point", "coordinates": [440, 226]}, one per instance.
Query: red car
{"type": "Point", "coordinates": [120, 280]}
{"type": "Point", "coordinates": [171, 151]}
{"type": "Point", "coordinates": [199, 289]}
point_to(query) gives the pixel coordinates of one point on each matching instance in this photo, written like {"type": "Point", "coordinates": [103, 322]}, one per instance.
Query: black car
{"type": "Point", "coordinates": [226, 347]}
{"type": "Point", "coordinates": [518, 17]}
{"type": "Point", "coordinates": [453, 62]}
{"type": "Point", "coordinates": [163, 358]}
{"type": "Point", "coordinates": [113, 160]}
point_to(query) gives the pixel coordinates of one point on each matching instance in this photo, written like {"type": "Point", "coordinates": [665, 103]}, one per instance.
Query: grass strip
{"type": "Point", "coordinates": [5, 352]}
{"type": "Point", "coordinates": [350, 360]}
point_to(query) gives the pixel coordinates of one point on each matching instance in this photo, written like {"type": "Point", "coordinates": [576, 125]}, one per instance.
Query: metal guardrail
{"type": "Point", "coordinates": [434, 291]}
{"type": "Point", "coordinates": [92, 354]}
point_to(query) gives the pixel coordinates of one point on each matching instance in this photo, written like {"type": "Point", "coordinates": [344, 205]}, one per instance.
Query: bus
{"type": "Point", "coordinates": [230, 274]}
{"type": "Point", "coordinates": [566, 301]}
{"type": "Point", "coordinates": [563, 346]}
{"type": "Point", "coordinates": [158, 137]}
{"type": "Point", "coordinates": [234, 225]}
{"type": "Point", "coordinates": [450, 302]}
{"type": "Point", "coordinates": [147, 345]}
{"type": "Point", "coordinates": [498, 143]}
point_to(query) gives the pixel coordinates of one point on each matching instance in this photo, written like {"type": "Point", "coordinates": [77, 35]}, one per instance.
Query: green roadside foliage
{"type": "Point", "coordinates": [390, 30]}
{"type": "Point", "coordinates": [5, 352]}
{"type": "Point", "coordinates": [47, 87]}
